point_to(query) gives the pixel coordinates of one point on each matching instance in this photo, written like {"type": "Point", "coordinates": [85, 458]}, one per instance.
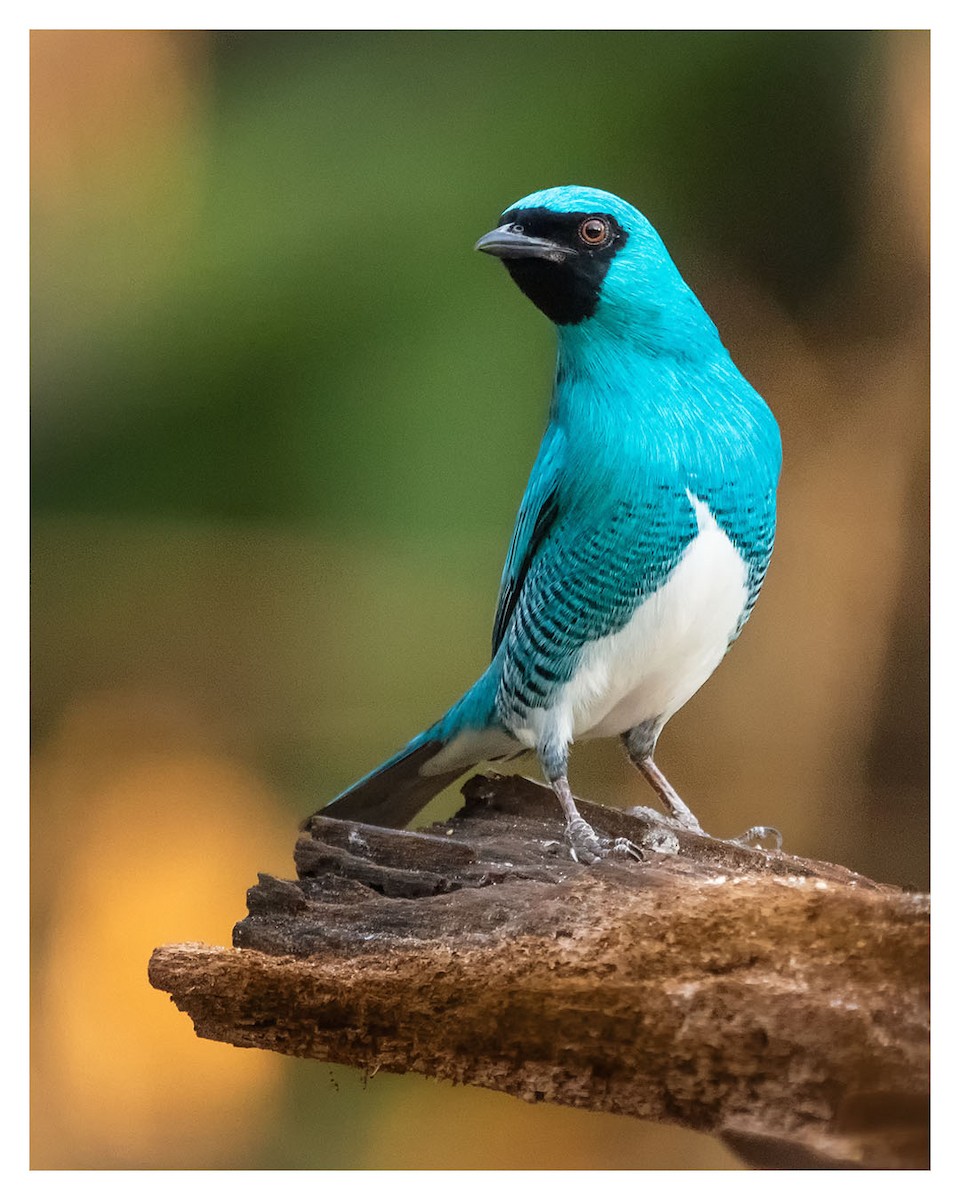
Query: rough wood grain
{"type": "Point", "coordinates": [777, 1002]}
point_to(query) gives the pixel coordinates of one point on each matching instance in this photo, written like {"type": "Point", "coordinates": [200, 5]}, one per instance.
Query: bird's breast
{"type": "Point", "coordinates": [653, 664]}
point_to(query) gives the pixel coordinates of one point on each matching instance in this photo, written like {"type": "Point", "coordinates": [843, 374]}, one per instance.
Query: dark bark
{"type": "Point", "coordinates": [779, 1003]}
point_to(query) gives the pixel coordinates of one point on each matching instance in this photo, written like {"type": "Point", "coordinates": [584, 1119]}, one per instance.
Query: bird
{"type": "Point", "coordinates": [644, 533]}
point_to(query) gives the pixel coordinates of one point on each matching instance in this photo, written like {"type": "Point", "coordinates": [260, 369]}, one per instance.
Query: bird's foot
{"type": "Point", "coordinates": [683, 819]}
{"type": "Point", "coordinates": [678, 813]}
{"type": "Point", "coordinates": [761, 837]}
{"type": "Point", "coordinates": [586, 847]}
{"type": "Point", "coordinates": [757, 835]}
{"type": "Point", "coordinates": [582, 840]}
{"type": "Point", "coordinates": [622, 847]}
{"type": "Point", "coordinates": [674, 820]}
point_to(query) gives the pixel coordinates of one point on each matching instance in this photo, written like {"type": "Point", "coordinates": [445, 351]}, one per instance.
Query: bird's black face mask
{"type": "Point", "coordinates": [558, 260]}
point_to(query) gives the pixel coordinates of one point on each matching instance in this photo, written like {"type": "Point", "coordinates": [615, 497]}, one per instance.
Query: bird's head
{"type": "Point", "coordinates": [587, 258]}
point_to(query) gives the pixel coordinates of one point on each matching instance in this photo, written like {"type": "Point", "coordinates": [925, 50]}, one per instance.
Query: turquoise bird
{"type": "Point", "coordinates": [644, 533]}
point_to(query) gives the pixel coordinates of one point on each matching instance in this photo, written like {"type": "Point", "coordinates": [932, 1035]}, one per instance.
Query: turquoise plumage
{"type": "Point", "coordinates": [645, 530]}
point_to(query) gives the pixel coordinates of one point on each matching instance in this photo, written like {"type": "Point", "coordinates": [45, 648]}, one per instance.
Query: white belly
{"type": "Point", "coordinates": [671, 646]}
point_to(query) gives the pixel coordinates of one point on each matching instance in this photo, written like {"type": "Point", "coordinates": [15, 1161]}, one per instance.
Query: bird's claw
{"type": "Point", "coordinates": [675, 820]}
{"type": "Point", "coordinates": [586, 847]}
{"type": "Point", "coordinates": [661, 840]}
{"type": "Point", "coordinates": [624, 848]}
{"type": "Point", "coordinates": [756, 835]}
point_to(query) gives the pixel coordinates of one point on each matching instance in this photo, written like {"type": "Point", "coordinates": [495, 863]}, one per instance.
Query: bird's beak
{"type": "Point", "coordinates": [509, 242]}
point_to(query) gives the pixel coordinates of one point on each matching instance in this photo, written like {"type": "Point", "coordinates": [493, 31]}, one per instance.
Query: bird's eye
{"type": "Point", "coordinates": [594, 231]}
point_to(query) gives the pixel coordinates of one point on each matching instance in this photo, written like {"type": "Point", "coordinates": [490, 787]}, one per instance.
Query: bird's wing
{"type": "Point", "coordinates": [538, 511]}
{"type": "Point", "coordinates": [592, 569]}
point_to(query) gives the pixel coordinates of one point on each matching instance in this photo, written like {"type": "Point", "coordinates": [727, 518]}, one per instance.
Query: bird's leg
{"type": "Point", "coordinates": [640, 742]}
{"type": "Point", "coordinates": [682, 814]}
{"type": "Point", "coordinates": [584, 843]}
{"type": "Point", "coordinates": [585, 846]}
{"type": "Point", "coordinates": [668, 796]}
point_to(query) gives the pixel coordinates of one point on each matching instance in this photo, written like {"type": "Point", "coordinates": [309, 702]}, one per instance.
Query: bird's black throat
{"type": "Point", "coordinates": [567, 292]}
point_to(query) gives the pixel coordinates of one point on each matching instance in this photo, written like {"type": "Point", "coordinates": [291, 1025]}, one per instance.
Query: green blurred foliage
{"type": "Point", "coordinates": [291, 326]}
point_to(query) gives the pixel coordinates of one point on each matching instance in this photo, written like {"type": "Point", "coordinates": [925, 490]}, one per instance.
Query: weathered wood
{"type": "Point", "coordinates": [777, 1002]}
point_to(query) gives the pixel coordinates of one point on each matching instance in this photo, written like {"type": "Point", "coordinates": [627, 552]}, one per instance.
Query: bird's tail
{"type": "Point", "coordinates": [393, 793]}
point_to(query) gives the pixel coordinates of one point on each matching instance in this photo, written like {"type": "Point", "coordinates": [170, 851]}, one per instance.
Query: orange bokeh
{"type": "Point", "coordinates": [141, 840]}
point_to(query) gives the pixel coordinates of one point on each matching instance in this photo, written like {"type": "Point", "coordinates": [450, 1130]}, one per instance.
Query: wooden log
{"type": "Point", "coordinates": [780, 1003]}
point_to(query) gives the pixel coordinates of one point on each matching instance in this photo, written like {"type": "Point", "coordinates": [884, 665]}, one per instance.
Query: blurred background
{"type": "Point", "coordinates": [282, 419]}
